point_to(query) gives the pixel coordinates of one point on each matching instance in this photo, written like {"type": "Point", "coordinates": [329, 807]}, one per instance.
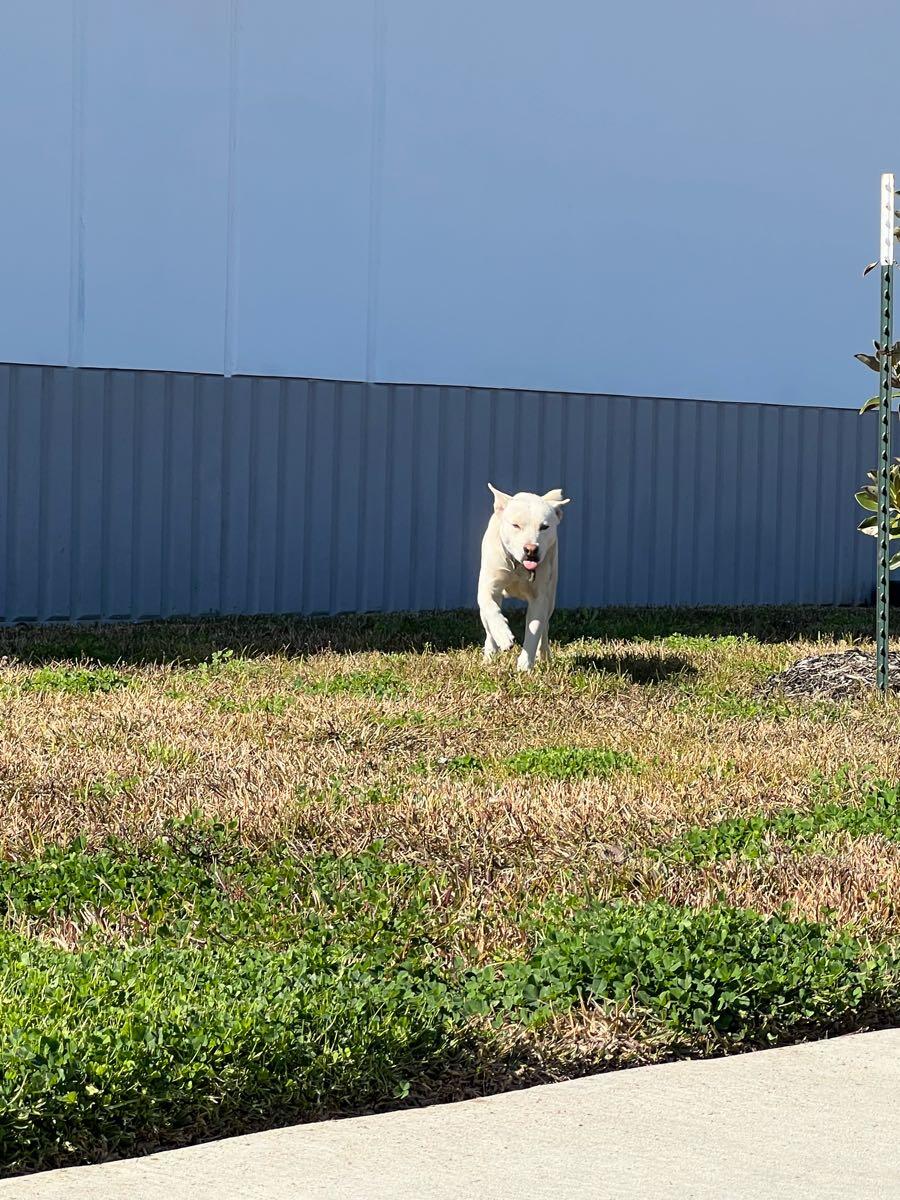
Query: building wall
{"type": "Point", "coordinates": [129, 494]}
{"type": "Point", "coordinates": [651, 199]}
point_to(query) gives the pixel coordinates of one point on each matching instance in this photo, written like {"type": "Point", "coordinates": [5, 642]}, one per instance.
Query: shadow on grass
{"type": "Point", "coordinates": [188, 642]}
{"type": "Point", "coordinates": [638, 668]}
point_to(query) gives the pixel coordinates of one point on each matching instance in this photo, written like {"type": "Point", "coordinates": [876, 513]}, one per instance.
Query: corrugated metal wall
{"type": "Point", "coordinates": [137, 494]}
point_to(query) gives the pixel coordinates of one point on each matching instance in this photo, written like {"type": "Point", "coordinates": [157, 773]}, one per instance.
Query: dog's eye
{"type": "Point", "coordinates": [545, 527]}
{"type": "Point", "coordinates": [515, 526]}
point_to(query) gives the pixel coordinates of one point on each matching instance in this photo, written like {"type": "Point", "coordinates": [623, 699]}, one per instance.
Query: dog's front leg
{"type": "Point", "coordinates": [536, 621]}
{"type": "Point", "coordinates": [499, 635]}
{"type": "Point", "coordinates": [543, 650]}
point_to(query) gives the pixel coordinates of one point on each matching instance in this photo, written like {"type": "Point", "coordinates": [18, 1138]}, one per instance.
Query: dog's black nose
{"type": "Point", "coordinates": [531, 549]}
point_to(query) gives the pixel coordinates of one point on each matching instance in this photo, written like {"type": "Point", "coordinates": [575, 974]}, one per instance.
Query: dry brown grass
{"type": "Point", "coordinates": [337, 748]}
{"type": "Point", "coordinates": [851, 882]}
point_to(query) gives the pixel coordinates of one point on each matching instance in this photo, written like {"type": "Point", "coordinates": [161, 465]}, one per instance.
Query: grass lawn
{"type": "Point", "coordinates": [254, 872]}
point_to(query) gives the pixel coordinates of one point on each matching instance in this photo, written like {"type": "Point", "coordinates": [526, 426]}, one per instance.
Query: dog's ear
{"type": "Point", "coordinates": [501, 499]}
{"type": "Point", "coordinates": [555, 497]}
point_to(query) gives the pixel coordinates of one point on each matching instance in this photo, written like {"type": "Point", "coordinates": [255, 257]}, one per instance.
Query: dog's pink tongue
{"type": "Point", "coordinates": [529, 564]}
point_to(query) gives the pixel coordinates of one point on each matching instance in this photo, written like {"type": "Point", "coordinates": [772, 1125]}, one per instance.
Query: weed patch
{"type": "Point", "coordinates": [74, 680]}
{"type": "Point", "coordinates": [275, 706]}
{"type": "Point", "coordinates": [176, 757]}
{"type": "Point", "coordinates": [752, 837]}
{"type": "Point", "coordinates": [354, 683]}
{"type": "Point", "coordinates": [563, 762]}
{"type": "Point", "coordinates": [555, 762]}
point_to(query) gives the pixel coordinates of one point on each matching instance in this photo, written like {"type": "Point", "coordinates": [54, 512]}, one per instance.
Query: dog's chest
{"type": "Point", "coordinates": [519, 584]}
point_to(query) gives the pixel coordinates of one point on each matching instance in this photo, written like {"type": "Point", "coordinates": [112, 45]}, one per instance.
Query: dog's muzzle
{"type": "Point", "coordinates": [531, 558]}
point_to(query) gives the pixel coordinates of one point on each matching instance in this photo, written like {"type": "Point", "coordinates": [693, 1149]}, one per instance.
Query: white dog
{"type": "Point", "coordinates": [519, 558]}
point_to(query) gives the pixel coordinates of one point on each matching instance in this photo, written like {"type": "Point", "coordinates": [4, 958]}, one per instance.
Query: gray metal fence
{"type": "Point", "coordinates": [138, 494]}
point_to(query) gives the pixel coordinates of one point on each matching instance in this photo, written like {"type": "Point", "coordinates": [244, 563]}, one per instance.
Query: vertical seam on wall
{"type": "Point", "coordinates": [334, 541]}
{"type": "Point", "coordinates": [106, 454]}
{"type": "Point", "coordinates": [609, 584]}
{"type": "Point", "coordinates": [412, 559]}
{"type": "Point", "coordinates": [563, 404]}
{"type": "Point", "coordinates": [165, 600]}
{"type": "Point", "coordinates": [280, 461]}
{"type": "Point", "coordinates": [11, 459]}
{"type": "Point", "coordinates": [651, 567]}
{"type": "Point", "coordinates": [517, 448]}
{"type": "Point", "coordinates": [718, 490]}
{"type": "Point", "coordinates": [757, 541]}
{"type": "Point", "coordinates": [798, 512]}
{"type": "Point", "coordinates": [76, 198]}
{"type": "Point", "coordinates": [41, 554]}
{"type": "Point", "coordinates": [862, 544]}
{"type": "Point", "coordinates": [226, 423]}
{"type": "Point", "coordinates": [779, 461]}
{"type": "Point", "coordinates": [387, 523]}
{"type": "Point", "coordinates": [697, 508]}
{"type": "Point", "coordinates": [837, 494]}
{"type": "Point", "coordinates": [229, 349]}
{"type": "Point", "coordinates": [492, 440]}
{"type": "Point", "coordinates": [440, 540]}
{"type": "Point", "coordinates": [817, 557]}
{"type": "Point", "coordinates": [541, 480]}
{"type": "Point", "coordinates": [634, 502]}
{"type": "Point", "coordinates": [307, 490]}
{"type": "Point", "coordinates": [376, 168]}
{"type": "Point", "coordinates": [136, 487]}
{"type": "Point", "coordinates": [586, 484]}
{"type": "Point", "coordinates": [361, 498]}
{"type": "Point", "coordinates": [600, 512]}
{"type": "Point", "coordinates": [470, 484]}
{"type": "Point", "coordinates": [251, 593]}
{"type": "Point", "coordinates": [136, 490]}
{"type": "Point", "coordinates": [737, 596]}
{"type": "Point", "coordinates": [196, 490]}
{"type": "Point", "coordinates": [675, 538]}
{"type": "Point", "coordinates": [75, 498]}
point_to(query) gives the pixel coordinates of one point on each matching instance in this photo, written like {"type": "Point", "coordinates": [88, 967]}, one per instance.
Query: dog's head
{"type": "Point", "coordinates": [528, 524]}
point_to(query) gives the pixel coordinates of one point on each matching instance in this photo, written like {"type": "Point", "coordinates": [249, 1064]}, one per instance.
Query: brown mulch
{"type": "Point", "coordinates": [835, 676]}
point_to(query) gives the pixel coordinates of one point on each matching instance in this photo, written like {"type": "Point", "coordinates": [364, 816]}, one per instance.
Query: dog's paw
{"type": "Point", "coordinates": [523, 662]}
{"type": "Point", "coordinates": [504, 639]}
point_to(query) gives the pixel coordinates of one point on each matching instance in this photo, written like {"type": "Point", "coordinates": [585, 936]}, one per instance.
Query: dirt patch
{"type": "Point", "coordinates": [836, 676]}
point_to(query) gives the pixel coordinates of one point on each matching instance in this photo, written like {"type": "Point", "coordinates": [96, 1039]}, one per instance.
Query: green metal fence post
{"type": "Point", "coordinates": [885, 338]}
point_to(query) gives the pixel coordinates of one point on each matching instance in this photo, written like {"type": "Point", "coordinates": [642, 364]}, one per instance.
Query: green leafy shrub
{"type": "Point", "coordinates": [720, 972]}
{"type": "Point", "coordinates": [200, 883]}
{"type": "Point", "coordinates": [873, 362]}
{"type": "Point", "coordinates": [211, 988]}
{"type": "Point", "coordinates": [108, 1049]}
{"type": "Point", "coordinates": [751, 837]}
{"type": "Point", "coordinates": [867, 498]}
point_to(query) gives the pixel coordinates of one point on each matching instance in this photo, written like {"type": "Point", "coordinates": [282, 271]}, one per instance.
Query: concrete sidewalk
{"type": "Point", "coordinates": [815, 1121]}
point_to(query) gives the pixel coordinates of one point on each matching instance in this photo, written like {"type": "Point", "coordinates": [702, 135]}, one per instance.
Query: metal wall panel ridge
{"type": "Point", "coordinates": [129, 495]}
